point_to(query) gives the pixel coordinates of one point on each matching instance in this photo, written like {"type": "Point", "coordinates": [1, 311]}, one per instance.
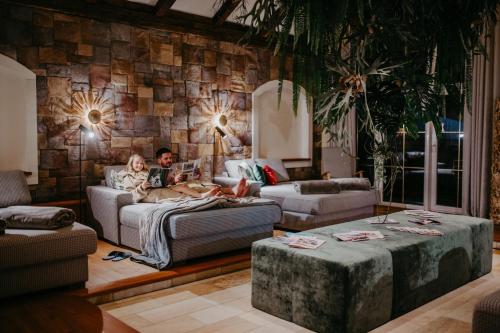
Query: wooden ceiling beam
{"type": "Point", "coordinates": [224, 11]}
{"type": "Point", "coordinates": [163, 6]}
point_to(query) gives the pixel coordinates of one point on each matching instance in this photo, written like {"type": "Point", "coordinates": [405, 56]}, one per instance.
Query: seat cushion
{"type": "Point", "coordinates": [22, 247]}
{"type": "Point", "coordinates": [317, 204]}
{"type": "Point", "coordinates": [207, 222]}
{"type": "Point", "coordinates": [14, 187]}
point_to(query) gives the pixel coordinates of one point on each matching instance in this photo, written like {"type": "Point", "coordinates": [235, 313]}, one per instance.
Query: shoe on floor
{"type": "Point", "coordinates": [121, 256]}
{"type": "Point", "coordinates": [111, 255]}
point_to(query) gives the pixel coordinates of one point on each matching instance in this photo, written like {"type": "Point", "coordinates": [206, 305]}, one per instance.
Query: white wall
{"type": "Point", "coordinates": [18, 119]}
{"type": "Point", "coordinates": [279, 133]}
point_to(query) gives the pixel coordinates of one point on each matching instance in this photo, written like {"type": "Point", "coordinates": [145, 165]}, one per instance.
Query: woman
{"type": "Point", "coordinates": [135, 180]}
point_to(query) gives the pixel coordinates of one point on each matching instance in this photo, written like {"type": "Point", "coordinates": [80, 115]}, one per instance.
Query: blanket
{"type": "Point", "coordinates": [316, 187]}
{"type": "Point", "coordinates": [154, 241]}
{"type": "Point", "coordinates": [34, 217]}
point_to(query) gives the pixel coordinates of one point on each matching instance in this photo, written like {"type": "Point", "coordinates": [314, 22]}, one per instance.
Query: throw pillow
{"type": "Point", "coordinates": [117, 180]}
{"type": "Point", "coordinates": [245, 171]}
{"type": "Point", "coordinates": [271, 177]}
{"type": "Point", "coordinates": [259, 174]}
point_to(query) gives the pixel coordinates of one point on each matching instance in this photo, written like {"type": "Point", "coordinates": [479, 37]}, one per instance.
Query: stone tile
{"type": "Point", "coordinates": [59, 87]}
{"type": "Point", "coordinates": [205, 90]}
{"type": "Point", "coordinates": [80, 73]}
{"type": "Point", "coordinates": [205, 149]}
{"type": "Point", "coordinates": [100, 76]}
{"type": "Point", "coordinates": [146, 92]}
{"type": "Point", "coordinates": [146, 126]}
{"type": "Point", "coordinates": [42, 18]}
{"type": "Point", "coordinates": [223, 64]}
{"type": "Point", "coordinates": [53, 158]}
{"type": "Point", "coordinates": [125, 103]}
{"type": "Point", "coordinates": [209, 74]}
{"type": "Point", "coordinates": [145, 106]}
{"type": "Point", "coordinates": [209, 58]}
{"type": "Point", "coordinates": [192, 73]}
{"type": "Point", "coordinates": [177, 61]}
{"type": "Point", "coordinates": [238, 63]}
{"type": "Point", "coordinates": [43, 36]}
{"type": "Point", "coordinates": [67, 31]}
{"type": "Point", "coordinates": [179, 136]}
{"type": "Point", "coordinates": [177, 73]}
{"type": "Point", "coordinates": [192, 54]}
{"type": "Point", "coordinates": [162, 53]}
{"type": "Point", "coordinates": [179, 89]}
{"type": "Point", "coordinates": [237, 101]}
{"type": "Point", "coordinates": [121, 142]}
{"type": "Point", "coordinates": [85, 50]}
{"type": "Point", "coordinates": [164, 109]}
{"type": "Point", "coordinates": [223, 82]}
{"type": "Point", "coordinates": [95, 32]}
{"type": "Point", "coordinates": [162, 77]}
{"type": "Point", "coordinates": [121, 66]}
{"type": "Point", "coordinates": [15, 32]}
{"type": "Point", "coordinates": [180, 107]}
{"type": "Point", "coordinates": [163, 93]}
{"type": "Point", "coordinates": [143, 146]}
{"type": "Point", "coordinates": [51, 55]}
{"type": "Point", "coordinates": [140, 38]}
{"type": "Point", "coordinates": [251, 76]}
{"type": "Point", "coordinates": [119, 155]}
{"type": "Point", "coordinates": [140, 54]}
{"type": "Point", "coordinates": [143, 67]}
{"type": "Point", "coordinates": [120, 32]}
{"type": "Point", "coordinates": [21, 13]}
{"type": "Point", "coordinates": [192, 89]}
{"type": "Point", "coordinates": [28, 56]}
{"type": "Point", "coordinates": [60, 71]}
{"type": "Point", "coordinates": [102, 55]}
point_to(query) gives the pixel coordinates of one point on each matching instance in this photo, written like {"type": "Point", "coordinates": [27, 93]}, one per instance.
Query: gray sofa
{"type": "Point", "coordinates": [32, 260]}
{"type": "Point", "coordinates": [191, 235]}
{"type": "Point", "coordinates": [306, 211]}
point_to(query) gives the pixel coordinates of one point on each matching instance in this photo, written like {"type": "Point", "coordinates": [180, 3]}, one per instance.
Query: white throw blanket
{"type": "Point", "coordinates": [155, 250]}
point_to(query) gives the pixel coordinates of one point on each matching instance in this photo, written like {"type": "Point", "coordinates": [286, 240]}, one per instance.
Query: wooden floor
{"type": "Point", "coordinates": [222, 304]}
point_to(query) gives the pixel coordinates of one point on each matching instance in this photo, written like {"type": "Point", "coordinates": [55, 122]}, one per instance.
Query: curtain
{"type": "Point", "coordinates": [485, 90]}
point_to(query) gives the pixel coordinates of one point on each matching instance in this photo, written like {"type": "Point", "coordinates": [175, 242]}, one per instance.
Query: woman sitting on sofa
{"type": "Point", "coordinates": [135, 180]}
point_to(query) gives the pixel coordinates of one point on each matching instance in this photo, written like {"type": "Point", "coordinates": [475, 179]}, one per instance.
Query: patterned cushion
{"type": "Point", "coordinates": [259, 174]}
{"type": "Point", "coordinates": [13, 188]}
{"type": "Point", "coordinates": [232, 167]}
{"type": "Point", "coordinates": [116, 180]}
{"type": "Point", "coordinates": [107, 173]}
{"type": "Point", "coordinates": [245, 171]}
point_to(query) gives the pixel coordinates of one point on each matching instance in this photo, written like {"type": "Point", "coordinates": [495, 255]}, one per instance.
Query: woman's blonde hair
{"type": "Point", "coordinates": [131, 160]}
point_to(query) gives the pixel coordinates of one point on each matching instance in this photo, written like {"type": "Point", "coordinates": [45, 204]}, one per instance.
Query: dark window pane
{"type": "Point", "coordinates": [414, 186]}
{"type": "Point", "coordinates": [449, 188]}
{"type": "Point", "coordinates": [415, 151]}
{"type": "Point", "coordinates": [450, 146]}
{"type": "Point", "coordinates": [397, 188]}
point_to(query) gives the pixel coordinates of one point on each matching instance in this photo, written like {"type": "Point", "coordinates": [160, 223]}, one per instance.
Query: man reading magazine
{"type": "Point", "coordinates": [169, 174]}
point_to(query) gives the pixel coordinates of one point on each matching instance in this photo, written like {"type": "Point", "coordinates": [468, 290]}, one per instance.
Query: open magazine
{"type": "Point", "coordinates": [189, 169]}
{"type": "Point", "coordinates": [157, 177]}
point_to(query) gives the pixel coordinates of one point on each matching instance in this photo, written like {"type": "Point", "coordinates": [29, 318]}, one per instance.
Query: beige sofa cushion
{"type": "Point", "coordinates": [22, 247]}
{"type": "Point", "coordinates": [317, 204]}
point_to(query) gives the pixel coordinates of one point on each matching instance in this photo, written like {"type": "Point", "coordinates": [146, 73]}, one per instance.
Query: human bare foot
{"type": "Point", "coordinates": [240, 187]}
{"type": "Point", "coordinates": [212, 193]}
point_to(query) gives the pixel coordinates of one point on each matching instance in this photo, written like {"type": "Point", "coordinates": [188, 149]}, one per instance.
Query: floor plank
{"type": "Point", "coordinates": [223, 304]}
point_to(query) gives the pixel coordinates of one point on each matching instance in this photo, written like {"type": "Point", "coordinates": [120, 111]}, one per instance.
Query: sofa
{"type": "Point", "coordinates": [33, 260]}
{"type": "Point", "coordinates": [191, 235]}
{"type": "Point", "coordinates": [305, 211]}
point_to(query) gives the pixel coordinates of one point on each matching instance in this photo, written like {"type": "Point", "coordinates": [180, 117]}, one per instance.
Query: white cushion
{"type": "Point", "coordinates": [232, 167]}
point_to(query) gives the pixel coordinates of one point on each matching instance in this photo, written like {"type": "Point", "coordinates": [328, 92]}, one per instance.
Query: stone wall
{"type": "Point", "coordinates": [155, 88]}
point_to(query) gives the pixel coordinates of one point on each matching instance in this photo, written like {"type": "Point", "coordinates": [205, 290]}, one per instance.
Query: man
{"type": "Point", "coordinates": [164, 159]}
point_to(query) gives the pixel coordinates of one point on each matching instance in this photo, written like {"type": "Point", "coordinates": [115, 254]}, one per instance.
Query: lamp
{"type": "Point", "coordinates": [90, 134]}
{"type": "Point", "coordinates": [220, 121]}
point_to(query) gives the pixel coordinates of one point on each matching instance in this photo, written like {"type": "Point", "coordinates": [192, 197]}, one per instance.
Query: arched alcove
{"type": "Point", "coordinates": [279, 133]}
{"type": "Point", "coordinates": [18, 118]}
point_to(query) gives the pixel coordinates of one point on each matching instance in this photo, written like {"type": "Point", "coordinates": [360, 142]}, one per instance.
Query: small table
{"type": "Point", "coordinates": [358, 286]}
{"type": "Point", "coordinates": [56, 313]}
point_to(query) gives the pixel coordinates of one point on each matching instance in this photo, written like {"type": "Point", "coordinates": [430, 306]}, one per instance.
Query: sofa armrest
{"type": "Point", "coordinates": [231, 182]}
{"type": "Point", "coordinates": [105, 203]}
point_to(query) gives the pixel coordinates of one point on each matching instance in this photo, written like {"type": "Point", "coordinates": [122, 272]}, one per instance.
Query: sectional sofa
{"type": "Point", "coordinates": [305, 211]}
{"type": "Point", "coordinates": [190, 235]}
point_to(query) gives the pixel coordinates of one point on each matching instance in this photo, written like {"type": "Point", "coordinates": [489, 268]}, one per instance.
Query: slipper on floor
{"type": "Point", "coordinates": [121, 256]}
{"type": "Point", "coordinates": [111, 255]}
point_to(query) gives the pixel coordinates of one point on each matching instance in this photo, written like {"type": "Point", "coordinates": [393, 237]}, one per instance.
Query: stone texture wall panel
{"type": "Point", "coordinates": [159, 87]}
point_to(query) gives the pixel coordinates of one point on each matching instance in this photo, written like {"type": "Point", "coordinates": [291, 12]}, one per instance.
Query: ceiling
{"type": "Point", "coordinates": [204, 8]}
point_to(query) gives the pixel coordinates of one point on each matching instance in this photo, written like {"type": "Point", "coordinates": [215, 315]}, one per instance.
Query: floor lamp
{"type": "Point", "coordinates": [90, 135]}
{"type": "Point", "coordinates": [221, 121]}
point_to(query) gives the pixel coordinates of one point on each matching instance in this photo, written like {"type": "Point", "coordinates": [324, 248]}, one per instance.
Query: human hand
{"type": "Point", "coordinates": [145, 185]}
{"type": "Point", "coordinates": [178, 178]}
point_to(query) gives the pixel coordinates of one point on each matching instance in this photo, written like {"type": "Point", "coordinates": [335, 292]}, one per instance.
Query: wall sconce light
{"type": "Point", "coordinates": [87, 132]}
{"type": "Point", "coordinates": [94, 116]}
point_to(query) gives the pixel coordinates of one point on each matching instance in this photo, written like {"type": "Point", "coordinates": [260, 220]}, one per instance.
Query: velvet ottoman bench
{"type": "Point", "coordinates": [358, 286]}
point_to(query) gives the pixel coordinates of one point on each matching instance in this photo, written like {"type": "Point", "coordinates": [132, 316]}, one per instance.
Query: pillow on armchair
{"type": "Point", "coordinates": [15, 189]}
{"type": "Point", "coordinates": [278, 167]}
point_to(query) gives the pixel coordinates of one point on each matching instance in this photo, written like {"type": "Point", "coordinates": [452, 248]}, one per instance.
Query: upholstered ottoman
{"type": "Point", "coordinates": [357, 286]}
{"type": "Point", "coordinates": [486, 318]}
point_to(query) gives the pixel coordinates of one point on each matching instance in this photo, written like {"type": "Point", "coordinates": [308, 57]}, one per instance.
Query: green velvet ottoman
{"type": "Point", "coordinates": [358, 286]}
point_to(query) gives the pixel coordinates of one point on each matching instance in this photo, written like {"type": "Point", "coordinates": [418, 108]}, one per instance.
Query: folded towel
{"type": "Point", "coordinates": [34, 217]}
{"type": "Point", "coordinates": [353, 184]}
{"type": "Point", "coordinates": [316, 187]}
{"type": "Point", "coordinates": [3, 226]}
